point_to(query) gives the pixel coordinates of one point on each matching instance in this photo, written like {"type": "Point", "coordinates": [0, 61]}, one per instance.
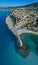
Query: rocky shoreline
{"type": "Point", "coordinates": [23, 51]}
{"type": "Point", "coordinates": [21, 48]}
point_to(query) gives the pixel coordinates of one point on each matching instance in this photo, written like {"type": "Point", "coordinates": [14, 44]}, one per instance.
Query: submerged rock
{"type": "Point", "coordinates": [37, 51]}
{"type": "Point", "coordinates": [23, 51]}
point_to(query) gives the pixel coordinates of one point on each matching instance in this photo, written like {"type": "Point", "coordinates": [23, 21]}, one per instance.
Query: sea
{"type": "Point", "coordinates": [8, 54]}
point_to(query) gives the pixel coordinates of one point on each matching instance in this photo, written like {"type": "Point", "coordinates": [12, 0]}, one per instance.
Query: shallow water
{"type": "Point", "coordinates": [8, 55]}
{"type": "Point", "coordinates": [30, 39]}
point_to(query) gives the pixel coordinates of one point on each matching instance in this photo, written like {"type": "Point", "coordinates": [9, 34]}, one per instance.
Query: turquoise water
{"type": "Point", "coordinates": [30, 39]}
{"type": "Point", "coordinates": [8, 55]}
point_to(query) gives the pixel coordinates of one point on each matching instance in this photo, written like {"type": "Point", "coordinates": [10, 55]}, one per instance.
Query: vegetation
{"type": "Point", "coordinates": [31, 16]}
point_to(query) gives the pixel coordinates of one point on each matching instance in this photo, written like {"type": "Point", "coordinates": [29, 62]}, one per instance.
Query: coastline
{"type": "Point", "coordinates": [26, 31]}
{"type": "Point", "coordinates": [21, 48]}
{"type": "Point", "coordinates": [17, 31]}
{"type": "Point", "coordinates": [10, 26]}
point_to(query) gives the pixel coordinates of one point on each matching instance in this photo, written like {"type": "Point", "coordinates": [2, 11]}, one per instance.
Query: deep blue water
{"type": "Point", "coordinates": [8, 55]}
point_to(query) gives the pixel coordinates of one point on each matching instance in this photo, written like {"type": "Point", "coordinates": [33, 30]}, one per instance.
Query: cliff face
{"type": "Point", "coordinates": [10, 25]}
